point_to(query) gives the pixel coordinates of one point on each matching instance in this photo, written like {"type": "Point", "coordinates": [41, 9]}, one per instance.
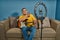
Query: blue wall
{"type": "Point", "coordinates": [58, 10]}
{"type": "Point", "coordinates": [13, 7]}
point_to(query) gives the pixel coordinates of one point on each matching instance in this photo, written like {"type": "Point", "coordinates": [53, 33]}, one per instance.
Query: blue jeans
{"type": "Point", "coordinates": [25, 32]}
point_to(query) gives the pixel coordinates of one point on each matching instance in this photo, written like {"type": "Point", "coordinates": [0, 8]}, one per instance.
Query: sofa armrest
{"type": "Point", "coordinates": [2, 32]}
{"type": "Point", "coordinates": [58, 32]}
{"type": "Point", "coordinates": [54, 24]}
{"type": "Point", "coordinates": [5, 24]}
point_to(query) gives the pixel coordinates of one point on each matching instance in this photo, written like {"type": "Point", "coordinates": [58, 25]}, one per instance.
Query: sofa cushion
{"type": "Point", "coordinates": [37, 34]}
{"type": "Point", "coordinates": [14, 39]}
{"type": "Point", "coordinates": [44, 38]}
{"type": "Point", "coordinates": [46, 22]}
{"type": "Point", "coordinates": [14, 32]}
{"type": "Point", "coordinates": [36, 38]}
{"type": "Point", "coordinates": [48, 38]}
{"type": "Point", "coordinates": [48, 32]}
{"type": "Point", "coordinates": [12, 22]}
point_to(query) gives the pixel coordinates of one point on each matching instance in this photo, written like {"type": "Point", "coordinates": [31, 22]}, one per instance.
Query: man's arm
{"type": "Point", "coordinates": [35, 23]}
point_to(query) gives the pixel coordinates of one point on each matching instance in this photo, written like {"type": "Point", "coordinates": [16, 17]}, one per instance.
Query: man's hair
{"type": "Point", "coordinates": [22, 9]}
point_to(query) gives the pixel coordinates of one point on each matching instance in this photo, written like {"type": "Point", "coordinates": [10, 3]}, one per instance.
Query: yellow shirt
{"type": "Point", "coordinates": [31, 18]}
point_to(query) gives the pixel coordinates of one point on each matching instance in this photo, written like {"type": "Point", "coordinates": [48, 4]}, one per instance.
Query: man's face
{"type": "Point", "coordinates": [24, 11]}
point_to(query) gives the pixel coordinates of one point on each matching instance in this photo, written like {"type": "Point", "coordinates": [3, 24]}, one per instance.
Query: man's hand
{"type": "Point", "coordinates": [35, 23]}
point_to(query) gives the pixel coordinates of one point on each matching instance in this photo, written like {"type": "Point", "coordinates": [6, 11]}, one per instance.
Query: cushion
{"type": "Point", "coordinates": [14, 39]}
{"type": "Point", "coordinates": [46, 22]}
{"type": "Point", "coordinates": [44, 38]}
{"type": "Point", "coordinates": [37, 34]}
{"type": "Point", "coordinates": [36, 38]}
{"type": "Point", "coordinates": [48, 38]}
{"type": "Point", "coordinates": [48, 32]}
{"type": "Point", "coordinates": [12, 22]}
{"type": "Point", "coordinates": [14, 32]}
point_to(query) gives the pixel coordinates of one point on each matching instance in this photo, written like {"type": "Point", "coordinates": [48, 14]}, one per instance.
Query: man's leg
{"type": "Point", "coordinates": [25, 34]}
{"type": "Point", "coordinates": [32, 33]}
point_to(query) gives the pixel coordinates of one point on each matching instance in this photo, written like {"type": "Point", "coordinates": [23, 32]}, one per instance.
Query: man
{"type": "Point", "coordinates": [31, 24]}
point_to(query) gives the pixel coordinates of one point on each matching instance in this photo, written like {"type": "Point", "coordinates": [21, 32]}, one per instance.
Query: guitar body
{"type": "Point", "coordinates": [21, 24]}
{"type": "Point", "coordinates": [18, 24]}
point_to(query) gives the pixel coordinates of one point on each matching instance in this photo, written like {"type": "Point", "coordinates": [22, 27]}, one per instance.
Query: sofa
{"type": "Point", "coordinates": [10, 31]}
